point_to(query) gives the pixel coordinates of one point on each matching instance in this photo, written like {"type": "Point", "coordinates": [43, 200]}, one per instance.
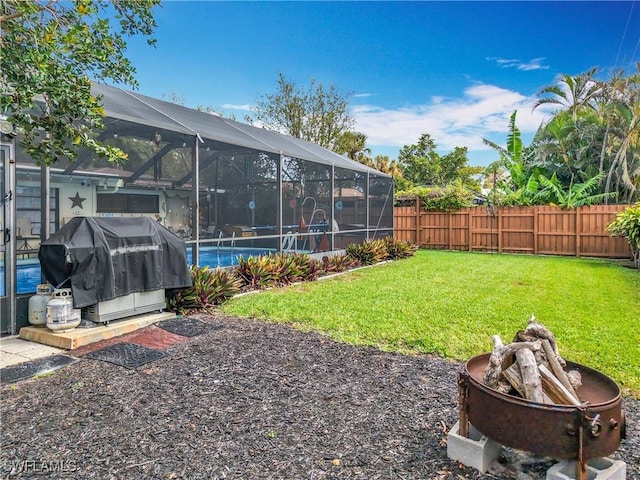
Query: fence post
{"type": "Point", "coordinates": [578, 228]}
{"type": "Point", "coordinates": [499, 229]}
{"type": "Point", "coordinates": [535, 230]}
{"type": "Point", "coordinates": [418, 221]}
{"type": "Point", "coordinates": [449, 226]}
{"type": "Point", "coordinates": [469, 226]}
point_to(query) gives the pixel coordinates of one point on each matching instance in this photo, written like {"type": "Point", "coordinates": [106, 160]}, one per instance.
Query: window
{"type": "Point", "coordinates": [127, 203]}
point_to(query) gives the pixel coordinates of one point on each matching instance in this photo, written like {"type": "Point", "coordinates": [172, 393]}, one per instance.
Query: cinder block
{"type": "Point", "coordinates": [597, 469]}
{"type": "Point", "coordinates": [477, 451]}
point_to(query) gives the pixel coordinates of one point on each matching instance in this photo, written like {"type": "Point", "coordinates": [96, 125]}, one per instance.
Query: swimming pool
{"type": "Point", "coordinates": [29, 273]}
{"type": "Point", "coordinates": [226, 256]}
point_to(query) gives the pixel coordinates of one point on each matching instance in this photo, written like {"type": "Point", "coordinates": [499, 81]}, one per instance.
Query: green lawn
{"type": "Point", "coordinates": [451, 303]}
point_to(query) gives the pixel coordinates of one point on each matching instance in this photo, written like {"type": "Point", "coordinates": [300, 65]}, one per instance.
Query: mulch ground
{"type": "Point", "coordinates": [251, 400]}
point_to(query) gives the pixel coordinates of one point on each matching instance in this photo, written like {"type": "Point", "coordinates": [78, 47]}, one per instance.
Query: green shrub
{"type": "Point", "coordinates": [443, 199]}
{"type": "Point", "coordinates": [627, 224]}
{"type": "Point", "coordinates": [209, 288]}
{"type": "Point", "coordinates": [284, 269]}
{"type": "Point", "coordinates": [256, 272]}
{"type": "Point", "coordinates": [339, 263]}
{"type": "Point", "coordinates": [368, 252]}
{"type": "Point", "coordinates": [309, 268]}
{"type": "Point", "coordinates": [399, 248]}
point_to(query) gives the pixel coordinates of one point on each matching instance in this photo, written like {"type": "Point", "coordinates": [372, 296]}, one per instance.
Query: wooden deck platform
{"type": "Point", "coordinates": [80, 336]}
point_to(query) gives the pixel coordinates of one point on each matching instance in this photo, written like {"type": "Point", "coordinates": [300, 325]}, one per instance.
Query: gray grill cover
{"type": "Point", "coordinates": [104, 258]}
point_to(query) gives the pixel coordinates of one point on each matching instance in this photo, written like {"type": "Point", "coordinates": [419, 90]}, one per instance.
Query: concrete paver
{"type": "Point", "coordinates": [14, 351]}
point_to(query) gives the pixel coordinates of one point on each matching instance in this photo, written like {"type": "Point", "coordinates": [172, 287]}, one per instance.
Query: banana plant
{"type": "Point", "coordinates": [573, 195]}
{"type": "Point", "coordinates": [520, 186]}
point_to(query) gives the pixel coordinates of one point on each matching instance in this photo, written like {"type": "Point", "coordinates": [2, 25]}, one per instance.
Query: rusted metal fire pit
{"type": "Point", "coordinates": [559, 431]}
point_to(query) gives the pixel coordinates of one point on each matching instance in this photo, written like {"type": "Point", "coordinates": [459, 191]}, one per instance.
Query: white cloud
{"type": "Point", "coordinates": [362, 95]}
{"type": "Point", "coordinates": [533, 64]}
{"type": "Point", "coordinates": [483, 111]}
{"type": "Point", "coordinates": [232, 106]}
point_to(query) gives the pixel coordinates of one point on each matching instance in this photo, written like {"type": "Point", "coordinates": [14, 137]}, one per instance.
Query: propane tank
{"type": "Point", "coordinates": [38, 304]}
{"type": "Point", "coordinates": [61, 316]}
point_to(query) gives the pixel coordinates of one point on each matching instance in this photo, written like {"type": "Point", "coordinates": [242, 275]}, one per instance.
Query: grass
{"type": "Point", "coordinates": [451, 303]}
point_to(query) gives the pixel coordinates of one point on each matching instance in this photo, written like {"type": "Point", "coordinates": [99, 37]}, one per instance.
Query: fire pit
{"type": "Point", "coordinates": [592, 430]}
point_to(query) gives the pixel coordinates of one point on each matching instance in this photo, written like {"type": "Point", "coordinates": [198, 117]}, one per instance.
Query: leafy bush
{"type": "Point", "coordinates": [209, 288]}
{"type": "Point", "coordinates": [256, 272]}
{"type": "Point", "coordinates": [574, 194]}
{"type": "Point", "coordinates": [399, 248]}
{"type": "Point", "coordinates": [444, 199]}
{"type": "Point", "coordinates": [368, 252]}
{"type": "Point", "coordinates": [284, 269]}
{"type": "Point", "coordinates": [627, 224]}
{"type": "Point", "coordinates": [309, 267]}
{"type": "Point", "coordinates": [339, 263]}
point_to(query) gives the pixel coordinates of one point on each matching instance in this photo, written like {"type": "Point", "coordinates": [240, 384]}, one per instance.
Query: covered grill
{"type": "Point", "coordinates": [104, 258]}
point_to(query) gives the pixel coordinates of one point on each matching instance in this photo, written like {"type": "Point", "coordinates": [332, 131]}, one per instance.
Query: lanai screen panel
{"type": "Point", "coordinates": [381, 205]}
{"type": "Point", "coordinates": [239, 197]}
{"type": "Point", "coordinates": [306, 200]}
{"type": "Point", "coordinates": [350, 199]}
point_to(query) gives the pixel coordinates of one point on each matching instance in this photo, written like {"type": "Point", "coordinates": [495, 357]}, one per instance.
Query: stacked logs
{"type": "Point", "coordinates": [532, 366]}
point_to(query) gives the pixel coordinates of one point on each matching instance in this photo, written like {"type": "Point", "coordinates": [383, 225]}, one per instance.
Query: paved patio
{"type": "Point", "coordinates": [14, 350]}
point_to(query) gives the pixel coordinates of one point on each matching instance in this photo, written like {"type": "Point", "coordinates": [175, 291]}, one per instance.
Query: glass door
{"type": "Point", "coordinates": [7, 256]}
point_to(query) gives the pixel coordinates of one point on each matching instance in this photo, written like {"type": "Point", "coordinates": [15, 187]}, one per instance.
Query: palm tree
{"type": "Point", "coordinates": [626, 162]}
{"type": "Point", "coordinates": [572, 93]}
{"type": "Point", "coordinates": [596, 132]}
{"type": "Point", "coordinates": [606, 101]}
{"type": "Point", "coordinates": [352, 143]}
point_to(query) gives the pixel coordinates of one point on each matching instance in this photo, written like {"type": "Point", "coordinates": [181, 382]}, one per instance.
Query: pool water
{"type": "Point", "coordinates": [29, 274]}
{"type": "Point", "coordinates": [225, 256]}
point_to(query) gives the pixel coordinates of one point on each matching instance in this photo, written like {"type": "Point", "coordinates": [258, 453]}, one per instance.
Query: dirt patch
{"type": "Point", "coordinates": [251, 400]}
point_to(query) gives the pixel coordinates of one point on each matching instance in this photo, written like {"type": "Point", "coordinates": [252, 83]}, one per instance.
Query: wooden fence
{"type": "Point", "coordinates": [536, 230]}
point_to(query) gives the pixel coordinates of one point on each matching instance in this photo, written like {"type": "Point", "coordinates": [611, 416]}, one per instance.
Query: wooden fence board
{"type": "Point", "coordinates": [537, 230]}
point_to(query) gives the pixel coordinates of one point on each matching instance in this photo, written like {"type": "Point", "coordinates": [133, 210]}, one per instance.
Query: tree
{"type": "Point", "coordinates": [519, 184]}
{"type": "Point", "coordinates": [419, 161]}
{"type": "Point", "coordinates": [596, 131]}
{"type": "Point", "coordinates": [571, 92]}
{"type": "Point", "coordinates": [352, 143]}
{"type": "Point", "coordinates": [422, 165]}
{"type": "Point", "coordinates": [383, 164]}
{"type": "Point", "coordinates": [513, 152]}
{"type": "Point", "coordinates": [625, 165]}
{"type": "Point", "coordinates": [51, 51]}
{"type": "Point", "coordinates": [317, 114]}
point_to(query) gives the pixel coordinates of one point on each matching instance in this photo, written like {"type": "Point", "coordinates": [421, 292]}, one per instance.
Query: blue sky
{"type": "Point", "coordinates": [455, 70]}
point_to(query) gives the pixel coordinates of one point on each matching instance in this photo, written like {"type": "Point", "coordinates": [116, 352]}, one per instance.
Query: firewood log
{"type": "Point", "coordinates": [555, 390]}
{"type": "Point", "coordinates": [575, 378]}
{"type": "Point", "coordinates": [499, 354]}
{"type": "Point", "coordinates": [494, 367]}
{"type": "Point", "coordinates": [556, 368]}
{"type": "Point", "coordinates": [513, 376]}
{"type": "Point", "coordinates": [530, 375]}
{"type": "Point", "coordinates": [540, 331]}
